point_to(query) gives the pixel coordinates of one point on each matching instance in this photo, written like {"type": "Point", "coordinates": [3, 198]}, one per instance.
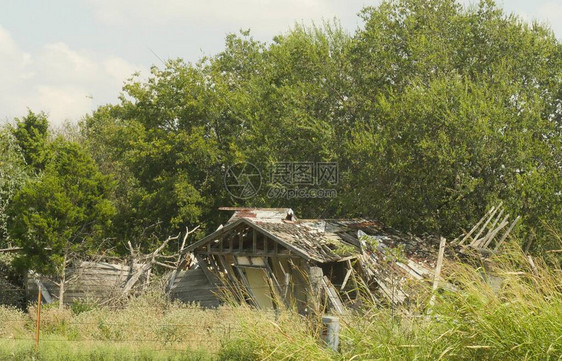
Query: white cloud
{"type": "Point", "coordinates": [57, 63]}
{"type": "Point", "coordinates": [119, 69]}
{"type": "Point", "coordinates": [64, 82]}
{"type": "Point", "coordinates": [13, 60]}
{"type": "Point", "coordinates": [552, 12]}
{"type": "Point", "coordinates": [241, 13]}
{"type": "Point", "coordinates": [64, 102]}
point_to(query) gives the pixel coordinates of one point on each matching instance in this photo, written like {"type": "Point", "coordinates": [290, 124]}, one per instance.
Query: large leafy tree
{"type": "Point", "coordinates": [172, 137]}
{"type": "Point", "coordinates": [454, 109]}
{"type": "Point", "coordinates": [433, 112]}
{"type": "Point", "coordinates": [63, 211]}
{"type": "Point", "coordinates": [438, 154]}
{"type": "Point", "coordinates": [288, 99]}
{"type": "Point", "coordinates": [163, 150]}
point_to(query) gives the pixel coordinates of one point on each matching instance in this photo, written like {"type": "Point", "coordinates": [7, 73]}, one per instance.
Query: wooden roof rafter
{"type": "Point", "coordinates": [221, 232]}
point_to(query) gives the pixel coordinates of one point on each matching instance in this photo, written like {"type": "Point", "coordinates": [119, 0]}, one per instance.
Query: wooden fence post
{"type": "Point", "coordinates": [331, 331]}
{"type": "Point", "coordinates": [38, 319]}
{"type": "Point", "coordinates": [437, 275]}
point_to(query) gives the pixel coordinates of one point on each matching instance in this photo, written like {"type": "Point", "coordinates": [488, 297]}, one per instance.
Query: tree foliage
{"type": "Point", "coordinates": [31, 133]}
{"type": "Point", "coordinates": [460, 108]}
{"type": "Point", "coordinates": [13, 174]}
{"type": "Point", "coordinates": [432, 111]}
{"type": "Point", "coordinates": [64, 210]}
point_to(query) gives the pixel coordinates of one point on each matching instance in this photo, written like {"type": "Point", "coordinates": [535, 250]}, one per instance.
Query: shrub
{"type": "Point", "coordinates": [79, 306]}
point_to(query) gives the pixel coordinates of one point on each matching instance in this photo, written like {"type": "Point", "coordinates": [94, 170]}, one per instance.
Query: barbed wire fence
{"type": "Point", "coordinates": [207, 331]}
{"type": "Point", "coordinates": [137, 327]}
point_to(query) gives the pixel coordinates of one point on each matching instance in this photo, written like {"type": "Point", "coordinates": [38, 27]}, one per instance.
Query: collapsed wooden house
{"type": "Point", "coordinates": [268, 257]}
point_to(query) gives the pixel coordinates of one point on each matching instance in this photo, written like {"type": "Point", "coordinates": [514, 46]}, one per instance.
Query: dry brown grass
{"type": "Point", "coordinates": [14, 323]}
{"type": "Point", "coordinates": [147, 320]}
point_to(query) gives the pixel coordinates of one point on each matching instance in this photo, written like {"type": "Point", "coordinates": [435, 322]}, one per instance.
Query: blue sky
{"type": "Point", "coordinates": [67, 57]}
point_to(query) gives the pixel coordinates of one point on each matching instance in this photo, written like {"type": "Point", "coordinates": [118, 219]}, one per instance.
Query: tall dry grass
{"type": "Point", "coordinates": [507, 308]}
{"type": "Point", "coordinates": [146, 327]}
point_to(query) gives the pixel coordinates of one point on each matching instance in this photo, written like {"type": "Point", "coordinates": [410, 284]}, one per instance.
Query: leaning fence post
{"type": "Point", "coordinates": [38, 319]}
{"type": "Point", "coordinates": [331, 331]}
{"type": "Point", "coordinates": [437, 275]}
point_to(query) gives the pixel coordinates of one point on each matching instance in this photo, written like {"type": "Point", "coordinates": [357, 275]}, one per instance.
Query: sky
{"type": "Point", "coordinates": [67, 57]}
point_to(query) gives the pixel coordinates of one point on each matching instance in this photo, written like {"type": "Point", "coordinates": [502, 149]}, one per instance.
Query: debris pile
{"type": "Point", "coordinates": [268, 254]}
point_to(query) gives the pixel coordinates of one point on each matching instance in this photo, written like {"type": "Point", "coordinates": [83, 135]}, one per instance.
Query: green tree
{"type": "Point", "coordinates": [61, 213]}
{"type": "Point", "coordinates": [31, 133]}
{"type": "Point", "coordinates": [162, 149]}
{"type": "Point", "coordinates": [454, 109]}
{"type": "Point", "coordinates": [13, 175]}
{"type": "Point", "coordinates": [287, 100]}
{"type": "Point", "coordinates": [433, 112]}
{"type": "Point", "coordinates": [172, 137]}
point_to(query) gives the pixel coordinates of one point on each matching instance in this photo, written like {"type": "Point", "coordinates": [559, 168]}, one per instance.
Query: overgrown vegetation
{"type": "Point", "coordinates": [518, 315]}
{"type": "Point", "coordinates": [432, 111]}
{"type": "Point", "coordinates": [147, 328]}
{"type": "Point", "coordinates": [25, 351]}
{"type": "Point", "coordinates": [519, 319]}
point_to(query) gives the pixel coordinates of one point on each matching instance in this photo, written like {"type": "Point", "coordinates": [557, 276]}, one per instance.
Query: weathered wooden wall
{"type": "Point", "coordinates": [10, 294]}
{"type": "Point", "coordinates": [193, 286]}
{"type": "Point", "coordinates": [95, 281]}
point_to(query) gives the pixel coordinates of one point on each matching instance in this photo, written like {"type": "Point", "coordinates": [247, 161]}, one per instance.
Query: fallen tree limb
{"type": "Point", "coordinates": [145, 267]}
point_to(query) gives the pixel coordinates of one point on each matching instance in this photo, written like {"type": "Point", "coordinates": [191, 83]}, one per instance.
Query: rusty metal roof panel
{"type": "Point", "coordinates": [276, 215]}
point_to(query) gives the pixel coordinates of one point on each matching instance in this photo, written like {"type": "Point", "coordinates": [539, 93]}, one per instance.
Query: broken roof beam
{"type": "Point", "coordinates": [477, 225]}
{"type": "Point", "coordinates": [437, 276]}
{"type": "Point", "coordinates": [506, 233]}
{"type": "Point", "coordinates": [485, 242]}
